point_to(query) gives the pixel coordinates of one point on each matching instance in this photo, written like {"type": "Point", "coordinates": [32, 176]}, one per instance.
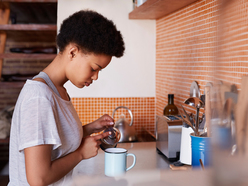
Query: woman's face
{"type": "Point", "coordinates": [83, 69]}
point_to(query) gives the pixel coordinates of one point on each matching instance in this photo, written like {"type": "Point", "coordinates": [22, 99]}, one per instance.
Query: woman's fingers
{"type": "Point", "coordinates": [108, 118]}
{"type": "Point", "coordinates": [100, 136]}
{"type": "Point", "coordinates": [98, 143]}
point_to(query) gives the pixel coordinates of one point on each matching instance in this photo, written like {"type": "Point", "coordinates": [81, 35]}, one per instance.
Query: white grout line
{"type": "Point", "coordinates": [173, 15]}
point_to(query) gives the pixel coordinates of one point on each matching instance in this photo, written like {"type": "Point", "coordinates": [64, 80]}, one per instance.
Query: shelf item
{"type": "Point", "coordinates": [31, 36]}
{"type": "Point", "coordinates": [32, 1]}
{"type": "Point", "coordinates": [27, 56]}
{"type": "Point", "coordinates": [29, 27]}
{"type": "Point", "coordinates": [155, 9]}
{"type": "Point", "coordinates": [17, 84]}
{"type": "Point", "coordinates": [17, 77]}
{"type": "Point", "coordinates": [35, 50]}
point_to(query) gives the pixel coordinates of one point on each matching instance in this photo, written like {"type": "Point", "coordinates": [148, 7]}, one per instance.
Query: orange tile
{"type": "Point", "coordinates": [92, 108]}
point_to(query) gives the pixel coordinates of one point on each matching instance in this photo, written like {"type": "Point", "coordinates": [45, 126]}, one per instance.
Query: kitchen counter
{"type": "Point", "coordinates": [150, 168]}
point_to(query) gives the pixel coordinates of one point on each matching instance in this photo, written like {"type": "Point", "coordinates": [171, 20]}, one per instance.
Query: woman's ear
{"type": "Point", "coordinates": [73, 51]}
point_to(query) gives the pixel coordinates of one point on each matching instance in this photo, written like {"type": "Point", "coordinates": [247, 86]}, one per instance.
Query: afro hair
{"type": "Point", "coordinates": [92, 32]}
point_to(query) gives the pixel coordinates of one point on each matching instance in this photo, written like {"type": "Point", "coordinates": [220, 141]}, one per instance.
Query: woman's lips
{"type": "Point", "coordinates": [87, 84]}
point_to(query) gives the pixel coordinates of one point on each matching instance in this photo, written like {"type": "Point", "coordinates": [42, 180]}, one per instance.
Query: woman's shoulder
{"type": "Point", "coordinates": [36, 89]}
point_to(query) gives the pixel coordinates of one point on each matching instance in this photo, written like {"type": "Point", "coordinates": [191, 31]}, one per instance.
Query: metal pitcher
{"type": "Point", "coordinates": [126, 128]}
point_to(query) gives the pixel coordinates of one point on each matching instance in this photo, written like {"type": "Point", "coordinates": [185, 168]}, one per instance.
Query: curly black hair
{"type": "Point", "coordinates": [92, 32]}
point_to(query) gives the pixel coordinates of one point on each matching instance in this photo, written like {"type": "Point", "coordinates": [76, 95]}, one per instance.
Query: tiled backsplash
{"type": "Point", "coordinates": [143, 110]}
{"type": "Point", "coordinates": [188, 48]}
{"type": "Point", "coordinates": [232, 56]}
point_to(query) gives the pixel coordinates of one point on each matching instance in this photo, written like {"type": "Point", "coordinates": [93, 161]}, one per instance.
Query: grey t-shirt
{"type": "Point", "coordinates": [41, 117]}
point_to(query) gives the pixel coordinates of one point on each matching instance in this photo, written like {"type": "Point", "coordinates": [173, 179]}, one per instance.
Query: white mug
{"type": "Point", "coordinates": [116, 161]}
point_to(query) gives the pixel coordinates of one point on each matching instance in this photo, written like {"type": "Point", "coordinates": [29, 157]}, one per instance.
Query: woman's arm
{"type": "Point", "coordinates": [41, 171]}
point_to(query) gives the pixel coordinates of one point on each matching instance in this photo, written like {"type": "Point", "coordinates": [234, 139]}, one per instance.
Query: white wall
{"type": "Point", "coordinates": [132, 75]}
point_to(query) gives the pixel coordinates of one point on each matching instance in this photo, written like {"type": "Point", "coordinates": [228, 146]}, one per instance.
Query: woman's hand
{"type": "Point", "coordinates": [90, 145]}
{"type": "Point", "coordinates": [98, 125]}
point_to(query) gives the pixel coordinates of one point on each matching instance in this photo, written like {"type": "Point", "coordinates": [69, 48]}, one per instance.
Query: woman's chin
{"type": "Point", "coordinates": [79, 86]}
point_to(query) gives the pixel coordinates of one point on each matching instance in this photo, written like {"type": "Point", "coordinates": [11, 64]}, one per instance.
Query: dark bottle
{"type": "Point", "coordinates": [170, 109]}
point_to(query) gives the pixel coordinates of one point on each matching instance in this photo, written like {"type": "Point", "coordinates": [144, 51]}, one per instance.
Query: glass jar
{"type": "Point", "coordinates": [111, 140]}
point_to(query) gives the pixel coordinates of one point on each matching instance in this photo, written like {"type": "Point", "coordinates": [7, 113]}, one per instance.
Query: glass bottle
{"type": "Point", "coordinates": [170, 108]}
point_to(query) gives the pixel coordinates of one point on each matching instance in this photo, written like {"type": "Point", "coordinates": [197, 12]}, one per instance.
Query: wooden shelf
{"type": "Point", "coordinates": [27, 56]}
{"type": "Point", "coordinates": [12, 84]}
{"type": "Point", "coordinates": [31, 1]}
{"type": "Point", "coordinates": [4, 141]}
{"type": "Point", "coordinates": [27, 21]}
{"type": "Point", "coordinates": [28, 27]}
{"type": "Point", "coordinates": [155, 9]}
{"type": "Point", "coordinates": [30, 32]}
{"type": "Point", "coordinates": [18, 79]}
{"type": "Point", "coordinates": [31, 36]}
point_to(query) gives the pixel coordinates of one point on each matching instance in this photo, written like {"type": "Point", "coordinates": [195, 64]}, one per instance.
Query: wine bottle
{"type": "Point", "coordinates": [170, 108]}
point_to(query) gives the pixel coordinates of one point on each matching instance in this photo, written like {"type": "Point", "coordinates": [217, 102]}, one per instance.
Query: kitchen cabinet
{"type": "Point", "coordinates": [27, 21]}
{"type": "Point", "coordinates": [155, 9]}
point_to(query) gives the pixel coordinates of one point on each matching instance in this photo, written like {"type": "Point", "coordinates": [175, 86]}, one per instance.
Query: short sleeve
{"type": "Point", "coordinates": [38, 124]}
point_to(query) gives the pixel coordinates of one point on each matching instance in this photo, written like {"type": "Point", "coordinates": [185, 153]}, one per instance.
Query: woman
{"type": "Point", "coordinates": [47, 139]}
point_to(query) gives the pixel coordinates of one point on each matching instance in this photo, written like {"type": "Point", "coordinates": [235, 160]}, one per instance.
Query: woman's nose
{"type": "Point", "coordinates": [95, 76]}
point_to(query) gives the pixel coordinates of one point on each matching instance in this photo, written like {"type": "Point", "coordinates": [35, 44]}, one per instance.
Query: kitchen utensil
{"type": "Point", "coordinates": [207, 110]}
{"type": "Point", "coordinates": [116, 161]}
{"type": "Point", "coordinates": [111, 140]}
{"type": "Point", "coordinates": [227, 113]}
{"type": "Point", "coordinates": [197, 121]}
{"type": "Point", "coordinates": [195, 90]}
{"type": "Point", "coordinates": [241, 118]}
{"type": "Point", "coordinates": [208, 84]}
{"type": "Point", "coordinates": [126, 128]}
{"type": "Point", "coordinates": [202, 166]}
{"type": "Point", "coordinates": [202, 122]}
{"type": "Point", "coordinates": [197, 103]}
{"type": "Point", "coordinates": [187, 116]}
{"type": "Point", "coordinates": [226, 87]}
{"type": "Point", "coordinates": [187, 121]}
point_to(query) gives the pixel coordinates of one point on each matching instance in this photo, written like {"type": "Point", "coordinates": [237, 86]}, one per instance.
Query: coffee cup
{"type": "Point", "coordinates": [116, 161]}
